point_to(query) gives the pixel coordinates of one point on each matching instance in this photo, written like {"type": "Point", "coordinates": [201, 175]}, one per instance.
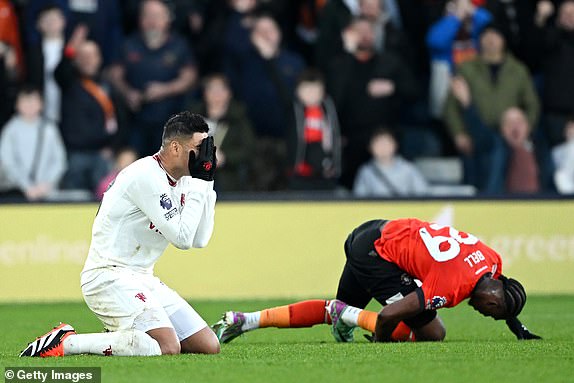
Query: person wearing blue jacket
{"type": "Point", "coordinates": [451, 41]}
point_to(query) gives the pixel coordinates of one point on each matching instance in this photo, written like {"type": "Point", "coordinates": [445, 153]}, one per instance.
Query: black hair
{"type": "Point", "coordinates": [28, 89]}
{"type": "Point", "coordinates": [311, 75]}
{"type": "Point", "coordinates": [183, 124]}
{"type": "Point", "coordinates": [383, 131]}
{"type": "Point", "coordinates": [215, 76]}
{"type": "Point", "coordinates": [514, 296]}
{"type": "Point", "coordinates": [493, 27]}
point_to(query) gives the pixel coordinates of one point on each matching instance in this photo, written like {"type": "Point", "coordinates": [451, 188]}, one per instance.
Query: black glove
{"type": "Point", "coordinates": [370, 337]}
{"type": "Point", "coordinates": [203, 165]}
{"type": "Point", "coordinates": [520, 330]}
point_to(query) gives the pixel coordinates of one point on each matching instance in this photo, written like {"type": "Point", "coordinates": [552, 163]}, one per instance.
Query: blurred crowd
{"type": "Point", "coordinates": [298, 94]}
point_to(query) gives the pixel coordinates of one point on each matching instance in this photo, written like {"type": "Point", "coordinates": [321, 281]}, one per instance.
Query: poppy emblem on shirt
{"type": "Point", "coordinates": [436, 302]}
{"type": "Point", "coordinates": [207, 166]}
{"type": "Point", "coordinates": [165, 202]}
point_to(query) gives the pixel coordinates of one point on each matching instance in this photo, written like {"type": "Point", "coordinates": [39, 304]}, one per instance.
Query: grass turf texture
{"type": "Point", "coordinates": [477, 349]}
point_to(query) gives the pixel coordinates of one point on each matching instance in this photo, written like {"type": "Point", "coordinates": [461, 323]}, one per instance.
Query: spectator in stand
{"type": "Point", "coordinates": [227, 34]}
{"type": "Point", "coordinates": [155, 71]}
{"type": "Point", "coordinates": [522, 175]}
{"type": "Point", "coordinates": [10, 35]}
{"type": "Point", "coordinates": [368, 89]}
{"type": "Point", "coordinates": [336, 17]}
{"type": "Point", "coordinates": [558, 59]}
{"type": "Point", "coordinates": [517, 21]}
{"type": "Point", "coordinates": [314, 142]}
{"type": "Point", "coordinates": [388, 35]}
{"type": "Point", "coordinates": [232, 133]}
{"type": "Point", "coordinates": [387, 174]}
{"type": "Point", "coordinates": [89, 118]}
{"type": "Point", "coordinates": [8, 70]}
{"type": "Point", "coordinates": [484, 89]}
{"type": "Point", "coordinates": [11, 63]}
{"type": "Point", "coordinates": [264, 78]}
{"type": "Point", "coordinates": [100, 17]}
{"type": "Point", "coordinates": [44, 56]}
{"type": "Point", "coordinates": [122, 159]}
{"type": "Point", "coordinates": [451, 41]}
{"type": "Point", "coordinates": [32, 156]}
{"type": "Point", "coordinates": [563, 156]}
{"type": "Point", "coordinates": [307, 27]}
{"type": "Point", "coordinates": [188, 17]}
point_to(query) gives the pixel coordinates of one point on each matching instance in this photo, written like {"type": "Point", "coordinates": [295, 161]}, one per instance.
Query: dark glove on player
{"type": "Point", "coordinates": [203, 165]}
{"type": "Point", "coordinates": [520, 330]}
{"type": "Point", "coordinates": [370, 337]}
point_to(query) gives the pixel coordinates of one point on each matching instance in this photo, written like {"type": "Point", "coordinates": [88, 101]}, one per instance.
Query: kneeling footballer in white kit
{"type": "Point", "coordinates": [161, 199]}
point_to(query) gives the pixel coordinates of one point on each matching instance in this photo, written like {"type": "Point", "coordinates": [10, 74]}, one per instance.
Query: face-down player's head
{"type": "Point", "coordinates": [501, 298]}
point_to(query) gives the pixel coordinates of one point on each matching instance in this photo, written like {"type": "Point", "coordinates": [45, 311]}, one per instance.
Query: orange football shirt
{"type": "Point", "coordinates": [448, 262]}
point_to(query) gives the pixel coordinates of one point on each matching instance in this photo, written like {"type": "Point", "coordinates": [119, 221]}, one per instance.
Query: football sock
{"type": "Point", "coordinates": [251, 321]}
{"type": "Point", "coordinates": [300, 314]}
{"type": "Point", "coordinates": [308, 313]}
{"type": "Point", "coordinates": [351, 316]}
{"type": "Point", "coordinates": [367, 320]}
{"type": "Point", "coordinates": [118, 343]}
{"type": "Point", "coordinates": [403, 333]}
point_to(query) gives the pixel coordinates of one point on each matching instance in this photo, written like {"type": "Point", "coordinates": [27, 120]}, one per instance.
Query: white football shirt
{"type": "Point", "coordinates": [143, 211]}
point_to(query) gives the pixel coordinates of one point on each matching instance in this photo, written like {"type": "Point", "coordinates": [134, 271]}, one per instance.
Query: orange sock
{"type": "Point", "coordinates": [300, 314]}
{"type": "Point", "coordinates": [367, 320]}
{"type": "Point", "coordinates": [403, 333]}
{"type": "Point", "coordinates": [275, 317]}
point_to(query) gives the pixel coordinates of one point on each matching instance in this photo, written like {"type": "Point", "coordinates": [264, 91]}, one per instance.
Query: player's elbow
{"type": "Point", "coordinates": [183, 244]}
{"type": "Point", "coordinates": [200, 243]}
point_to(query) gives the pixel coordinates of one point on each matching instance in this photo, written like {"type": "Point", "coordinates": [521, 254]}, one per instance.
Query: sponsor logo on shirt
{"type": "Point", "coordinates": [165, 202]}
{"type": "Point", "coordinates": [435, 303]}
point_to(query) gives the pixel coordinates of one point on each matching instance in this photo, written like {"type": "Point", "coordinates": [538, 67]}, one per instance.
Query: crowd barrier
{"type": "Point", "coordinates": [280, 249]}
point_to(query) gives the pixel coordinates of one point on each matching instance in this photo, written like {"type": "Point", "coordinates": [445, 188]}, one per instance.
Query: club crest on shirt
{"type": "Point", "coordinates": [165, 202]}
{"type": "Point", "coordinates": [406, 279]}
{"type": "Point", "coordinates": [435, 303]}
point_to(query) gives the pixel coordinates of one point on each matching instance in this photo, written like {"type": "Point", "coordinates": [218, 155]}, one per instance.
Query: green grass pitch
{"type": "Point", "coordinates": [476, 349]}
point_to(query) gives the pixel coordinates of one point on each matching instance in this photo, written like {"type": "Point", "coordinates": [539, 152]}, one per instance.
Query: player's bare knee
{"type": "Point", "coordinates": [210, 348]}
{"type": "Point", "coordinates": [202, 342]}
{"type": "Point", "coordinates": [170, 348]}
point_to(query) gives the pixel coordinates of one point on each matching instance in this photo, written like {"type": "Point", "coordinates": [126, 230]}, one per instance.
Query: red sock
{"type": "Point", "coordinates": [403, 333]}
{"type": "Point", "coordinates": [307, 313]}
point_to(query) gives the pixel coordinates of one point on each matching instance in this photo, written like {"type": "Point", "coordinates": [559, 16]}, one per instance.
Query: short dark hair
{"type": "Point", "coordinates": [29, 89]}
{"type": "Point", "coordinates": [493, 27]}
{"type": "Point", "coordinates": [514, 296]}
{"type": "Point", "coordinates": [383, 131]}
{"type": "Point", "coordinates": [311, 75]}
{"type": "Point", "coordinates": [182, 125]}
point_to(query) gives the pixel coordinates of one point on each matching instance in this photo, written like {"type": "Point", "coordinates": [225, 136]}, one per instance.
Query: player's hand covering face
{"type": "Point", "coordinates": [202, 165]}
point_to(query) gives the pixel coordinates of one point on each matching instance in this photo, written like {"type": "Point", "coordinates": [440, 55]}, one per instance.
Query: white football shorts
{"type": "Point", "coordinates": [123, 299]}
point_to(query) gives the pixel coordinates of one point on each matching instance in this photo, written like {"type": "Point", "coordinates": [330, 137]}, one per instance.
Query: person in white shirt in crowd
{"type": "Point", "coordinates": [563, 156]}
{"type": "Point", "coordinates": [157, 200]}
{"type": "Point", "coordinates": [32, 154]}
{"type": "Point", "coordinates": [388, 174]}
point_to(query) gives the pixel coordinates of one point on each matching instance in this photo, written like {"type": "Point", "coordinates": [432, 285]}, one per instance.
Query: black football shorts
{"type": "Point", "coordinates": [366, 275]}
